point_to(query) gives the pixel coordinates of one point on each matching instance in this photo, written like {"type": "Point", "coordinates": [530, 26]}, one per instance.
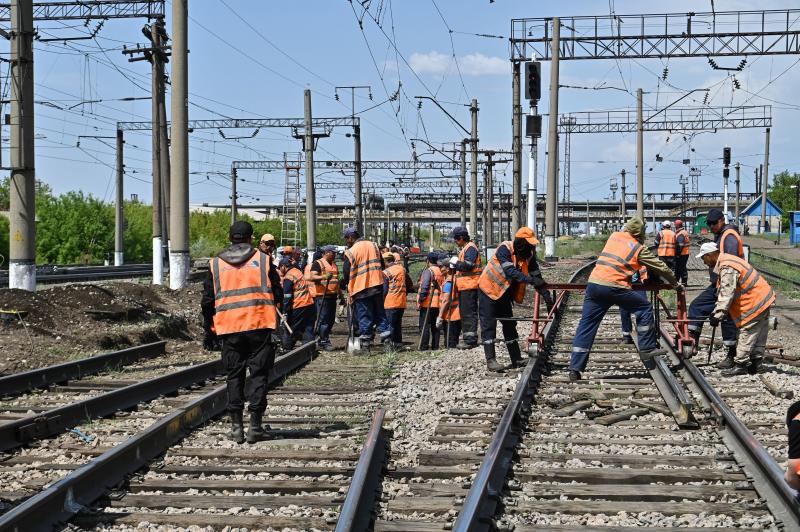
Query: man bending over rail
{"type": "Point", "coordinates": [610, 283]}
{"type": "Point", "coordinates": [793, 467]}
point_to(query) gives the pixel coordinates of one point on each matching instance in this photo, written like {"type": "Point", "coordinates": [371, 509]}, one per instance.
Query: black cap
{"type": "Point", "coordinates": [714, 215]}
{"type": "Point", "coordinates": [792, 412]}
{"type": "Point", "coordinates": [240, 232]}
{"type": "Point", "coordinates": [460, 232]}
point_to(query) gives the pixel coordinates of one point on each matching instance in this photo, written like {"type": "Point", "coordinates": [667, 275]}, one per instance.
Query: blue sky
{"type": "Point", "coordinates": [254, 58]}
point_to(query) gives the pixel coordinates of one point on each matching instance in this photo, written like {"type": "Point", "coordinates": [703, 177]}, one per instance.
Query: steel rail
{"type": "Point", "coordinates": [60, 502]}
{"type": "Point", "coordinates": [76, 369]}
{"type": "Point", "coordinates": [54, 421]}
{"type": "Point", "coordinates": [486, 491]}
{"type": "Point", "coordinates": [358, 509]}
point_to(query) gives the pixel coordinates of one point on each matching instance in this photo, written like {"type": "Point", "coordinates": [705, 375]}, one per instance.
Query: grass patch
{"type": "Point", "coordinates": [580, 246]}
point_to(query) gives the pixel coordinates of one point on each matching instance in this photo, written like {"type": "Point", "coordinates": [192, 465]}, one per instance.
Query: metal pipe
{"type": "Point", "coordinates": [462, 181]}
{"type": "Point", "coordinates": [473, 193]}
{"type": "Point", "coordinates": [311, 203]}
{"type": "Point", "coordinates": [764, 185]}
{"type": "Point", "coordinates": [532, 177]}
{"type": "Point", "coordinates": [119, 214]}
{"type": "Point", "coordinates": [358, 192]}
{"type": "Point", "coordinates": [516, 126]}
{"type": "Point", "coordinates": [639, 157]}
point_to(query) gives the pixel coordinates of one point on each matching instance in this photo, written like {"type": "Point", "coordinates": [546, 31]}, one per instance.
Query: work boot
{"type": "Point", "coordinates": [574, 376]}
{"type": "Point", "coordinates": [736, 370]}
{"type": "Point", "coordinates": [515, 355]}
{"type": "Point", "coordinates": [627, 339]}
{"type": "Point", "coordinates": [328, 347]}
{"type": "Point", "coordinates": [728, 362]}
{"type": "Point", "coordinates": [696, 337]}
{"type": "Point", "coordinates": [255, 432]}
{"type": "Point", "coordinates": [463, 345]}
{"type": "Point", "coordinates": [650, 353]}
{"type": "Point", "coordinates": [237, 428]}
{"type": "Point", "coordinates": [491, 361]}
{"type": "Point", "coordinates": [756, 366]}
{"type": "Point", "coordinates": [493, 365]}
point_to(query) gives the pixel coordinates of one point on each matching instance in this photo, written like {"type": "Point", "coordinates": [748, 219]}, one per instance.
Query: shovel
{"type": "Point", "coordinates": [353, 342]}
{"type": "Point", "coordinates": [711, 345]}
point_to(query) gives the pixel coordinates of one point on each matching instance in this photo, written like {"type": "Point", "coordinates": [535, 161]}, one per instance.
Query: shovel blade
{"type": "Point", "coordinates": [354, 345]}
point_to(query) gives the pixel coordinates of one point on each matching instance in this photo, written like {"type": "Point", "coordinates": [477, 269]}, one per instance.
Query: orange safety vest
{"type": "Point", "coordinates": [666, 246]}
{"type": "Point", "coordinates": [396, 296]}
{"type": "Point", "coordinates": [686, 241]}
{"type": "Point", "coordinates": [493, 281]}
{"type": "Point", "coordinates": [432, 299]}
{"type": "Point", "coordinates": [301, 293]}
{"type": "Point", "coordinates": [453, 313]}
{"type": "Point", "coordinates": [735, 233]}
{"type": "Point", "coordinates": [753, 293]}
{"type": "Point", "coordinates": [243, 295]}
{"type": "Point", "coordinates": [326, 288]}
{"type": "Point", "coordinates": [365, 266]}
{"type": "Point", "coordinates": [468, 280]}
{"type": "Point", "coordinates": [618, 261]}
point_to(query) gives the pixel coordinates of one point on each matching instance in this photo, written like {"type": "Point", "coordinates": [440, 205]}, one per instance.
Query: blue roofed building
{"type": "Point", "coordinates": [750, 218]}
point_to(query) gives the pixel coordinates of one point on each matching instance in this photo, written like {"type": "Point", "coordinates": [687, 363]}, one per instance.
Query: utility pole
{"type": "Point", "coordinates": [359, 221]}
{"type": "Point", "coordinates": [488, 198]}
{"type": "Point", "coordinates": [158, 201]}
{"type": "Point", "coordinates": [516, 148]}
{"type": "Point", "coordinates": [726, 172]}
{"type": "Point", "coordinates": [22, 259]}
{"type": "Point", "coordinates": [587, 218]}
{"type": "Point", "coordinates": [119, 214]}
{"type": "Point", "coordinates": [764, 185]}
{"type": "Point", "coordinates": [623, 206]}
{"type": "Point", "coordinates": [473, 193]}
{"type": "Point", "coordinates": [160, 44]}
{"type": "Point", "coordinates": [462, 181]}
{"type": "Point", "coordinates": [311, 204]}
{"type": "Point", "coordinates": [234, 212]}
{"type": "Point", "coordinates": [179, 164]}
{"type": "Point", "coordinates": [533, 173]}
{"type": "Point", "coordinates": [639, 157]}
{"type": "Point", "coordinates": [551, 210]}
{"type": "Point", "coordinates": [738, 171]}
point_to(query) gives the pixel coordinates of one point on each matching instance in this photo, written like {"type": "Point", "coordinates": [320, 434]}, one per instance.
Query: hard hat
{"type": "Point", "coordinates": [388, 255]}
{"type": "Point", "coordinates": [266, 237]}
{"type": "Point", "coordinates": [528, 234]}
{"type": "Point", "coordinates": [287, 250]}
{"type": "Point", "coordinates": [666, 223]}
{"type": "Point", "coordinates": [678, 222]}
{"type": "Point", "coordinates": [453, 261]}
{"type": "Point", "coordinates": [706, 248]}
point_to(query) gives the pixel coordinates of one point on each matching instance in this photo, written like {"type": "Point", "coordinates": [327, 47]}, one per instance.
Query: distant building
{"type": "Point", "coordinates": [751, 217]}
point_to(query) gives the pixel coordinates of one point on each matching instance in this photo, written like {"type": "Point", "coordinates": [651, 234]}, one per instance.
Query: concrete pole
{"type": "Point", "coordinates": [639, 156]}
{"type": "Point", "coordinates": [119, 217]}
{"type": "Point", "coordinates": [623, 205]}
{"type": "Point", "coordinates": [587, 218]}
{"type": "Point", "coordinates": [532, 178]}
{"type": "Point", "coordinates": [163, 136]}
{"type": "Point", "coordinates": [179, 164]}
{"type": "Point", "coordinates": [155, 137]}
{"type": "Point", "coordinates": [516, 148]}
{"type": "Point", "coordinates": [462, 181]}
{"type": "Point", "coordinates": [764, 185]}
{"type": "Point", "coordinates": [357, 167]}
{"type": "Point", "coordinates": [473, 193]}
{"type": "Point", "coordinates": [738, 170]}
{"type": "Point", "coordinates": [234, 212]}
{"type": "Point", "coordinates": [551, 207]}
{"type": "Point", "coordinates": [22, 259]}
{"type": "Point", "coordinates": [311, 203]}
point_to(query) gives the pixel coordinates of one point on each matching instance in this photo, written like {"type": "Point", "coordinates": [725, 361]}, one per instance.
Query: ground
{"type": "Point", "coordinates": [784, 250]}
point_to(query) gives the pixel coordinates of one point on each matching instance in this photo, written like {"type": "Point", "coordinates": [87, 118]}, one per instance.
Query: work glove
{"type": "Point", "coordinates": [538, 282]}
{"type": "Point", "coordinates": [548, 301]}
{"type": "Point", "coordinates": [439, 323]}
{"type": "Point", "coordinates": [713, 320]}
{"type": "Point", "coordinates": [679, 287]}
{"type": "Point", "coordinates": [210, 341]}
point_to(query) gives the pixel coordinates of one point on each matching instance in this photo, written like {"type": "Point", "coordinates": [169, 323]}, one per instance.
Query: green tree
{"type": "Point", "coordinates": [783, 194]}
{"type": "Point", "coordinates": [5, 229]}
{"type": "Point", "coordinates": [138, 236]}
{"type": "Point", "coordinates": [73, 228]}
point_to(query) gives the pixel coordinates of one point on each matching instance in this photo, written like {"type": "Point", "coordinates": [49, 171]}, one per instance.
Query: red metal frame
{"type": "Point", "coordinates": [680, 321]}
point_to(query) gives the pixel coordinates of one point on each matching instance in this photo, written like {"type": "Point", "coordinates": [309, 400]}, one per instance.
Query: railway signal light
{"type": "Point", "coordinates": [533, 80]}
{"type": "Point", "coordinates": [726, 156]}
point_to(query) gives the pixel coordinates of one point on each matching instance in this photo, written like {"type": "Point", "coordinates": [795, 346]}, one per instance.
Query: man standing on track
{"type": "Point", "coordinates": [240, 298]}
{"type": "Point", "coordinates": [502, 284]}
{"type": "Point", "coordinates": [468, 270]}
{"type": "Point", "coordinates": [449, 320]}
{"type": "Point", "coordinates": [362, 275]}
{"type": "Point", "coordinates": [792, 475]}
{"type": "Point", "coordinates": [665, 241]}
{"type": "Point", "coordinates": [729, 242]}
{"type": "Point", "coordinates": [610, 283]}
{"type": "Point", "coordinates": [324, 273]}
{"type": "Point", "coordinates": [396, 286]}
{"type": "Point", "coordinates": [682, 243]}
{"type": "Point", "coordinates": [298, 304]}
{"type": "Point", "coordinates": [428, 298]}
{"type": "Point", "coordinates": [746, 297]}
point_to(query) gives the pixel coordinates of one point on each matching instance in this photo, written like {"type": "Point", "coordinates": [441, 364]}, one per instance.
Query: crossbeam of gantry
{"type": "Point", "coordinates": [721, 33]}
{"type": "Point", "coordinates": [675, 119]}
{"type": "Point", "coordinates": [90, 10]}
{"type": "Point", "coordinates": [350, 165]}
{"type": "Point", "coordinates": [232, 123]}
{"type": "Point", "coordinates": [386, 185]}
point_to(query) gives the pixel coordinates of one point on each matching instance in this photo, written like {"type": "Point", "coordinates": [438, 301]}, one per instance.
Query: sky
{"type": "Point", "coordinates": [254, 58]}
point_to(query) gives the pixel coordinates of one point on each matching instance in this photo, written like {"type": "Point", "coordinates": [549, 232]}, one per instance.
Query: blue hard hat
{"type": "Point", "coordinates": [350, 231]}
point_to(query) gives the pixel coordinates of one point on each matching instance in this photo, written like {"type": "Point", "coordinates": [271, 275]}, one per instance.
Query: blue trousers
{"type": "Point", "coordinates": [452, 331]}
{"type": "Point", "coordinates": [627, 324]}
{"type": "Point", "coordinates": [370, 315]}
{"type": "Point", "coordinates": [598, 300]}
{"type": "Point", "coordinates": [702, 307]}
{"type": "Point", "coordinates": [394, 323]}
{"type": "Point", "coordinates": [302, 323]}
{"type": "Point", "coordinates": [326, 310]}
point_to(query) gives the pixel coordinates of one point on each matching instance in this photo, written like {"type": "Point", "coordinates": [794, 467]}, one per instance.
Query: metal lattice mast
{"type": "Point", "coordinates": [290, 221]}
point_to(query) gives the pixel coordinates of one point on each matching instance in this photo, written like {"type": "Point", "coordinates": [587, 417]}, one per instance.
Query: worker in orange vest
{"type": "Point", "coordinates": [449, 320]}
{"type": "Point", "coordinates": [239, 305]}
{"type": "Point", "coordinates": [430, 289]}
{"type": "Point", "coordinates": [324, 273]}
{"type": "Point", "coordinates": [682, 243]}
{"type": "Point", "coordinates": [501, 284]}
{"type": "Point", "coordinates": [362, 277]}
{"type": "Point", "coordinates": [468, 270]}
{"type": "Point", "coordinates": [792, 475]}
{"type": "Point", "coordinates": [666, 245]}
{"type": "Point", "coordinates": [746, 297]}
{"type": "Point", "coordinates": [298, 305]}
{"type": "Point", "coordinates": [396, 285]}
{"type": "Point", "coordinates": [610, 283]}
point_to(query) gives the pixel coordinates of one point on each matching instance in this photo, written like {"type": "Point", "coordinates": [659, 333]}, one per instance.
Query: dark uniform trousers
{"type": "Point", "coordinates": [452, 330]}
{"type": "Point", "coordinates": [430, 334]}
{"type": "Point", "coordinates": [490, 311]}
{"type": "Point", "coordinates": [326, 310]}
{"type": "Point", "coordinates": [669, 261]}
{"type": "Point", "coordinates": [681, 270]}
{"type": "Point", "coordinates": [394, 322]}
{"type": "Point", "coordinates": [468, 305]}
{"type": "Point", "coordinates": [302, 323]}
{"type": "Point", "coordinates": [702, 307]}
{"type": "Point", "coordinates": [251, 350]}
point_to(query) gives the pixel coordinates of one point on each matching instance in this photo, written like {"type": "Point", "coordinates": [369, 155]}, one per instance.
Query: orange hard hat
{"type": "Point", "coordinates": [528, 234]}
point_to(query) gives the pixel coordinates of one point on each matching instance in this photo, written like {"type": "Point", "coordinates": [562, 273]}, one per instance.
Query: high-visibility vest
{"type": "Point", "coordinates": [243, 295]}
{"type": "Point", "coordinates": [493, 281]}
{"type": "Point", "coordinates": [301, 290]}
{"type": "Point", "coordinates": [666, 246]}
{"type": "Point", "coordinates": [329, 287]}
{"type": "Point", "coordinates": [365, 266]}
{"type": "Point", "coordinates": [740, 244]}
{"type": "Point", "coordinates": [453, 313]}
{"type": "Point", "coordinates": [753, 293]}
{"type": "Point", "coordinates": [434, 289]}
{"type": "Point", "coordinates": [469, 280]}
{"type": "Point", "coordinates": [618, 261]}
{"type": "Point", "coordinates": [396, 296]}
{"type": "Point", "coordinates": [686, 241]}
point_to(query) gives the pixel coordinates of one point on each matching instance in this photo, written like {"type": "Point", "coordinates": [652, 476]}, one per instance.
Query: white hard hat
{"type": "Point", "coordinates": [453, 261]}
{"type": "Point", "coordinates": [666, 224]}
{"type": "Point", "coordinates": [706, 248]}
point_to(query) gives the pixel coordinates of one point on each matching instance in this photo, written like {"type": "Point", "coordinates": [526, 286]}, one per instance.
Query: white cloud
{"type": "Point", "coordinates": [476, 64]}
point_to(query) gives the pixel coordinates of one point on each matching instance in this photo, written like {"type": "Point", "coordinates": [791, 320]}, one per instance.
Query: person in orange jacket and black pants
{"type": "Point", "coordinates": [396, 286]}
{"type": "Point", "coordinates": [239, 300]}
{"type": "Point", "coordinates": [298, 304]}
